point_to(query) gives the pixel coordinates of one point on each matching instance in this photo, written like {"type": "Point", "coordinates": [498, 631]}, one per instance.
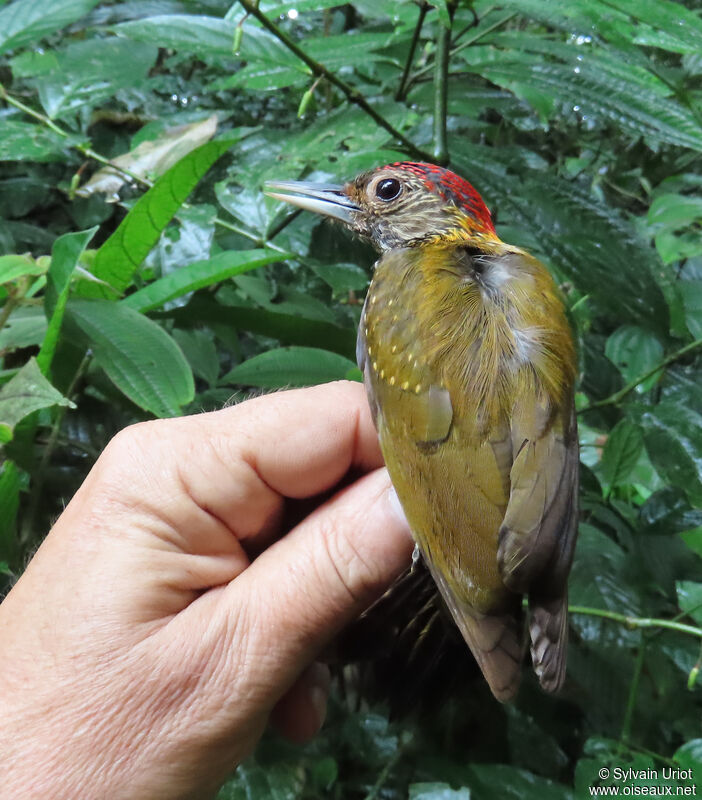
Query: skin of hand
{"type": "Point", "coordinates": [171, 611]}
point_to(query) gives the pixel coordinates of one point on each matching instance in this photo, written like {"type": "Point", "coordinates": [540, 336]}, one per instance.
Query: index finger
{"type": "Point", "coordinates": [295, 444]}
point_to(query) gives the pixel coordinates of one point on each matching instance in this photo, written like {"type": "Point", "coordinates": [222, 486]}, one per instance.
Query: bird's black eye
{"type": "Point", "coordinates": [388, 189]}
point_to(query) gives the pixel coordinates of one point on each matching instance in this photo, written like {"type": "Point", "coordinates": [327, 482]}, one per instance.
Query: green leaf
{"type": "Point", "coordinates": [690, 599]}
{"type": "Point", "coordinates": [207, 37]}
{"type": "Point", "coordinates": [199, 348]}
{"type": "Point", "coordinates": [692, 299]}
{"type": "Point", "coordinates": [673, 436]}
{"type": "Point", "coordinates": [87, 73]}
{"type": "Point", "coordinates": [140, 358]}
{"type": "Point", "coordinates": [341, 277]}
{"type": "Point", "coordinates": [27, 21]}
{"type": "Point", "coordinates": [286, 328]}
{"type": "Point", "coordinates": [674, 211]}
{"type": "Point", "coordinates": [13, 267]}
{"type": "Point", "coordinates": [25, 328]}
{"type": "Point", "coordinates": [510, 783]}
{"type": "Point", "coordinates": [26, 392]}
{"type": "Point", "coordinates": [621, 452]}
{"type": "Point", "coordinates": [119, 257]}
{"type": "Point", "coordinates": [199, 275]}
{"type": "Point", "coordinates": [689, 756]}
{"type": "Point", "coordinates": [601, 95]}
{"type": "Point", "coordinates": [279, 781]}
{"type": "Point", "coordinates": [65, 255]}
{"type": "Point", "coordinates": [668, 511]}
{"type": "Point", "coordinates": [693, 539]}
{"type": "Point", "coordinates": [290, 366]}
{"type": "Point", "coordinates": [635, 351]}
{"type": "Point", "coordinates": [195, 33]}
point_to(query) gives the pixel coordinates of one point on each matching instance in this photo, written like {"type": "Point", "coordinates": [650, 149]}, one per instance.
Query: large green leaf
{"type": "Point", "coordinates": [119, 257]}
{"type": "Point", "coordinates": [27, 21]}
{"type": "Point", "coordinates": [15, 266]}
{"type": "Point", "coordinates": [592, 93]}
{"type": "Point", "coordinates": [140, 358]}
{"type": "Point", "coordinates": [635, 351]}
{"type": "Point", "coordinates": [26, 327]}
{"type": "Point", "coordinates": [198, 275]}
{"type": "Point", "coordinates": [66, 252]}
{"type": "Point", "coordinates": [291, 366]}
{"type": "Point", "coordinates": [664, 23]}
{"type": "Point", "coordinates": [690, 599]}
{"type": "Point", "coordinates": [673, 436]}
{"type": "Point", "coordinates": [26, 392]}
{"type": "Point", "coordinates": [22, 141]}
{"type": "Point", "coordinates": [286, 328]}
{"type": "Point", "coordinates": [85, 73]}
{"type": "Point", "coordinates": [621, 452]}
{"type": "Point", "coordinates": [208, 36]}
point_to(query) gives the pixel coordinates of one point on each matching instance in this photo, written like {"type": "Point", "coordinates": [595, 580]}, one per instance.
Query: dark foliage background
{"type": "Point", "coordinates": [169, 284]}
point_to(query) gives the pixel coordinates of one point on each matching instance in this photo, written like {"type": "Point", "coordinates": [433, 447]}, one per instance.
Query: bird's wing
{"type": "Point", "coordinates": [537, 536]}
{"type": "Point", "coordinates": [364, 366]}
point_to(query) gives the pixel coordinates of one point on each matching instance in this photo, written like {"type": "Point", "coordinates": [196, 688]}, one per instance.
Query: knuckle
{"type": "Point", "coordinates": [354, 573]}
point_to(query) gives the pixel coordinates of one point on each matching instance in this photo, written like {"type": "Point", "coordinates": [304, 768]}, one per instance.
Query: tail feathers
{"type": "Point", "coordinates": [548, 629]}
{"type": "Point", "coordinates": [495, 641]}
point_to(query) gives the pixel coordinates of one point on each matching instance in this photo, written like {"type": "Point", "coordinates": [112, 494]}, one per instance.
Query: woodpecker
{"type": "Point", "coordinates": [469, 366]}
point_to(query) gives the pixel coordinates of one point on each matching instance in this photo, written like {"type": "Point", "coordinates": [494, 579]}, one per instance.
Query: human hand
{"type": "Point", "coordinates": [169, 613]}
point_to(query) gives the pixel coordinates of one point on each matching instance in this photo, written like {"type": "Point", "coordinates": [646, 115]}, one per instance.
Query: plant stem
{"type": "Point", "coordinates": [615, 398]}
{"type": "Point", "coordinates": [38, 485]}
{"type": "Point", "coordinates": [351, 94]}
{"type": "Point", "coordinates": [441, 62]}
{"type": "Point", "coordinates": [468, 42]}
{"type": "Point", "coordinates": [637, 622]}
{"type": "Point", "coordinates": [401, 89]}
{"type": "Point", "coordinates": [13, 101]}
{"type": "Point", "coordinates": [10, 305]}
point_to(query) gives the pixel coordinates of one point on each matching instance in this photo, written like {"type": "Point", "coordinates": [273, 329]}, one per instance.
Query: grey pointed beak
{"type": "Point", "coordinates": [321, 198]}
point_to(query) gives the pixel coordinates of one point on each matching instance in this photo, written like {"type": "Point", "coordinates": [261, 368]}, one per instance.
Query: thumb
{"type": "Point", "coordinates": [324, 573]}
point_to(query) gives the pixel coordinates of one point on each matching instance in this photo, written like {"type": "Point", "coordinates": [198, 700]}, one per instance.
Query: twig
{"type": "Point", "coordinates": [400, 93]}
{"type": "Point", "coordinates": [613, 399]}
{"type": "Point", "coordinates": [473, 23]}
{"type": "Point", "coordinates": [638, 622]}
{"type": "Point", "coordinates": [351, 94]}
